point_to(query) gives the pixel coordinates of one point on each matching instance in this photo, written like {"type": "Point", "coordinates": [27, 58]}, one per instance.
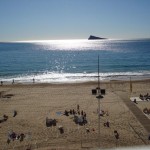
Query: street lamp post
{"type": "Point", "coordinates": [99, 97]}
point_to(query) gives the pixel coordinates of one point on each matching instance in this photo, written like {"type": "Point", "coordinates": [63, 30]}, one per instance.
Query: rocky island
{"type": "Point", "coordinates": [95, 38]}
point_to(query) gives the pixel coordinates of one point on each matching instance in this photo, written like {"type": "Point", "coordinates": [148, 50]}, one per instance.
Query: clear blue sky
{"type": "Point", "coordinates": [73, 19]}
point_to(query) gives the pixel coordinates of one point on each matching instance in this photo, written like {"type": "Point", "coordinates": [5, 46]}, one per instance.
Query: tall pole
{"type": "Point", "coordinates": [99, 97]}
{"type": "Point", "coordinates": [98, 106]}
{"type": "Point", "coordinates": [98, 77]}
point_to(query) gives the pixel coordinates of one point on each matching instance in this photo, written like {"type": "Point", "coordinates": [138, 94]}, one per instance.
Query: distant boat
{"type": "Point", "coordinates": [95, 38]}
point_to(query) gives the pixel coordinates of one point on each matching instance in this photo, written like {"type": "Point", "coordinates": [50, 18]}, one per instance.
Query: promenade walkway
{"type": "Point", "coordinates": [136, 111]}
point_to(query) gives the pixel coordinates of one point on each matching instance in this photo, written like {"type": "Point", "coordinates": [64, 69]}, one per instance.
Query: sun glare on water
{"type": "Point", "coordinates": [64, 44]}
{"type": "Point", "coordinates": [67, 45]}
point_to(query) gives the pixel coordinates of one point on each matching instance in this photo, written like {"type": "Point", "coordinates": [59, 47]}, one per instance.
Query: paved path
{"type": "Point", "coordinates": [136, 111]}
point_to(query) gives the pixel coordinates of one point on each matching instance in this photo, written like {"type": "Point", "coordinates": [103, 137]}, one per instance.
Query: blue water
{"type": "Point", "coordinates": [59, 61]}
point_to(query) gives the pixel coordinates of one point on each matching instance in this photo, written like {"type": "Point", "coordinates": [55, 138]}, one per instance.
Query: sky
{"type": "Point", "coordinates": [73, 19]}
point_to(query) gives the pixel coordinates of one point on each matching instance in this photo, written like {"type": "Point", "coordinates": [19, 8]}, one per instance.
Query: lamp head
{"type": "Point", "coordinates": [99, 97]}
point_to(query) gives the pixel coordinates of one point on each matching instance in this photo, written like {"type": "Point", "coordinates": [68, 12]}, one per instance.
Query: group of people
{"type": "Point", "coordinates": [144, 97]}
{"type": "Point", "coordinates": [13, 81]}
{"type": "Point", "coordinates": [81, 114]}
{"type": "Point", "coordinates": [73, 112]}
{"type": "Point", "coordinates": [107, 124]}
{"type": "Point", "coordinates": [5, 117]}
{"type": "Point", "coordinates": [13, 136]}
{"type": "Point", "coordinates": [146, 111]}
{"type": "Point", "coordinates": [102, 113]}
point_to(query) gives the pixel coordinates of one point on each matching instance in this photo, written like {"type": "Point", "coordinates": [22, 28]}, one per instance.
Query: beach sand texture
{"type": "Point", "coordinates": [35, 102]}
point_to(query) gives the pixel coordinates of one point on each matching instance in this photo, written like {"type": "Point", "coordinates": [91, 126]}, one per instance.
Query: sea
{"type": "Point", "coordinates": [74, 61]}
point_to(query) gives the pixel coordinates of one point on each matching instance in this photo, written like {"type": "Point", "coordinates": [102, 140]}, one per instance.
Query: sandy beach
{"type": "Point", "coordinates": [34, 102]}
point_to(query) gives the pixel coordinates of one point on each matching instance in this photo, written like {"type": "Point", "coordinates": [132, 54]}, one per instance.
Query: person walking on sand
{"type": "Point", "coordinates": [33, 80]}
{"type": "Point", "coordinates": [78, 107]}
{"type": "Point", "coordinates": [1, 83]}
{"type": "Point", "coordinates": [13, 81]}
{"type": "Point", "coordinates": [82, 112]}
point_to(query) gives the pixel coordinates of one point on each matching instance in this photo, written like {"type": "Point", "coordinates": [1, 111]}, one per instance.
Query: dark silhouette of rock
{"type": "Point", "coordinates": [95, 38]}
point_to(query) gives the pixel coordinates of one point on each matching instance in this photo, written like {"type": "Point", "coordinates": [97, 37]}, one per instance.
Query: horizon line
{"type": "Point", "coordinates": [25, 41]}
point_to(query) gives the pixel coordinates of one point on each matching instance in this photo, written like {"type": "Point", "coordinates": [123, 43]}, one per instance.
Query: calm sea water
{"type": "Point", "coordinates": [59, 61]}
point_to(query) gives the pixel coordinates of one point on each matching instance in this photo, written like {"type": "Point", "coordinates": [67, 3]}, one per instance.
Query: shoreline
{"type": "Point", "coordinates": [71, 78]}
{"type": "Point", "coordinates": [74, 83]}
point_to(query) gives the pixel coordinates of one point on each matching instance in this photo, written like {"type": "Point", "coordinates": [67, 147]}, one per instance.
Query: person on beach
{"type": "Point", "coordinates": [1, 83]}
{"type": "Point", "coordinates": [33, 80]}
{"type": "Point", "coordinates": [146, 111]}
{"type": "Point", "coordinates": [78, 112]}
{"type": "Point", "coordinates": [106, 124]}
{"type": "Point", "coordinates": [14, 113]}
{"type": "Point", "coordinates": [73, 112]}
{"type": "Point", "coordinates": [149, 137]}
{"type": "Point", "coordinates": [13, 81]}
{"type": "Point", "coordinates": [66, 113]}
{"type": "Point", "coordinates": [82, 112]}
{"type": "Point", "coordinates": [70, 111]}
{"type": "Point", "coordinates": [116, 134]}
{"type": "Point", "coordinates": [141, 97]}
{"type": "Point", "coordinates": [135, 101]}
